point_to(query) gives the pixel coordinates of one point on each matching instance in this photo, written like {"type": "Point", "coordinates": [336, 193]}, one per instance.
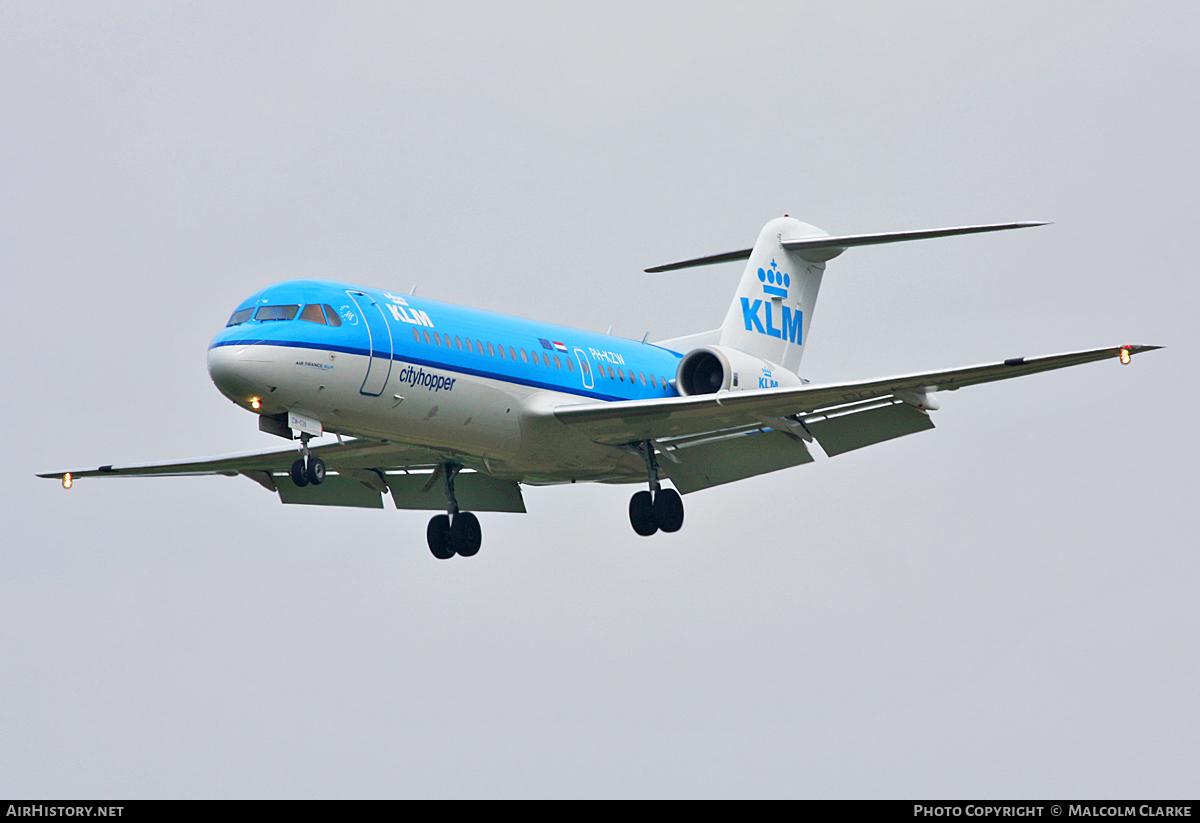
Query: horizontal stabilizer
{"type": "Point", "coordinates": [817, 249]}
{"type": "Point", "coordinates": [824, 247]}
{"type": "Point", "coordinates": [727, 257]}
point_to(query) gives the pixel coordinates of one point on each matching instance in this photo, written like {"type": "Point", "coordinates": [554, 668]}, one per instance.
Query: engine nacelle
{"type": "Point", "coordinates": [711, 369]}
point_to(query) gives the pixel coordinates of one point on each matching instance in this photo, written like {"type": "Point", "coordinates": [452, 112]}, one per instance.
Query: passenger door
{"type": "Point", "coordinates": [379, 365]}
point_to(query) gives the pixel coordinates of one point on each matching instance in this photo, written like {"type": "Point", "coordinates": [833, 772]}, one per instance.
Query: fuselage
{"type": "Point", "coordinates": [465, 382]}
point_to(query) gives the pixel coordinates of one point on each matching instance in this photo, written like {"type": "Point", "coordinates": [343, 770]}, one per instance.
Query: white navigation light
{"type": "Point", "coordinates": [1125, 356]}
{"type": "Point", "coordinates": [255, 403]}
{"type": "Point", "coordinates": [67, 480]}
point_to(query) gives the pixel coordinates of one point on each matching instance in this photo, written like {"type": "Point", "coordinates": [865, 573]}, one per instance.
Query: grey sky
{"type": "Point", "coordinates": [1005, 606]}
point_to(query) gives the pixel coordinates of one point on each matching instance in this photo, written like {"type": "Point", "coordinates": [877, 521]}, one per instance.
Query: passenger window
{"type": "Point", "coordinates": [479, 346]}
{"type": "Point", "coordinates": [571, 367]}
{"type": "Point", "coordinates": [524, 356]}
{"type": "Point", "coordinates": [491, 351]}
{"type": "Point", "coordinates": [622, 375]}
{"type": "Point", "coordinates": [416, 335]}
{"type": "Point", "coordinates": [277, 313]}
{"type": "Point", "coordinates": [557, 362]}
{"type": "Point", "coordinates": [448, 340]}
{"type": "Point", "coordinates": [468, 343]}
{"type": "Point", "coordinates": [458, 342]}
{"type": "Point", "coordinates": [512, 353]}
{"type": "Point", "coordinates": [332, 316]}
{"type": "Point", "coordinates": [546, 358]}
{"type": "Point", "coordinates": [501, 348]}
{"type": "Point", "coordinates": [240, 317]}
{"type": "Point", "coordinates": [427, 340]}
{"type": "Point", "coordinates": [652, 383]}
{"type": "Point", "coordinates": [643, 376]}
{"type": "Point", "coordinates": [313, 314]}
{"type": "Point", "coordinates": [437, 340]}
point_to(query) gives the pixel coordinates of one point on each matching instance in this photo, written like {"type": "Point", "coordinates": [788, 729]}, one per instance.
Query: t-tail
{"type": "Point", "coordinates": [772, 309]}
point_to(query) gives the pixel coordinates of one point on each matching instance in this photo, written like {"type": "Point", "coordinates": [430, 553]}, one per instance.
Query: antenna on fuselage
{"type": "Point", "coordinates": [645, 336]}
{"type": "Point", "coordinates": [610, 325]}
{"type": "Point", "coordinates": [413, 290]}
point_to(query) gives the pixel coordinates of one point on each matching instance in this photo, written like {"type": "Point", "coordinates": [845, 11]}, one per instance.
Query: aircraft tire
{"type": "Point", "coordinates": [641, 514]}
{"type": "Point", "coordinates": [299, 473]}
{"type": "Point", "coordinates": [315, 471]}
{"type": "Point", "coordinates": [438, 535]}
{"type": "Point", "coordinates": [466, 536]}
{"type": "Point", "coordinates": [668, 510]}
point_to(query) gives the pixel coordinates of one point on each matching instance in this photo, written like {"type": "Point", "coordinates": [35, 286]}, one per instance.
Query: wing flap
{"type": "Point", "coordinates": [841, 433]}
{"type": "Point", "coordinates": [736, 457]}
{"type": "Point", "coordinates": [335, 491]}
{"type": "Point", "coordinates": [474, 491]}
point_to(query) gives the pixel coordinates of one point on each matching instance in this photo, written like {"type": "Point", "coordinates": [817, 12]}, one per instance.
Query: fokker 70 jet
{"type": "Point", "coordinates": [451, 408]}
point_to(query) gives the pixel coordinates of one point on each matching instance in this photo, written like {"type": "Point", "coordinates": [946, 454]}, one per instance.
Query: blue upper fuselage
{"type": "Point", "coordinates": [340, 317]}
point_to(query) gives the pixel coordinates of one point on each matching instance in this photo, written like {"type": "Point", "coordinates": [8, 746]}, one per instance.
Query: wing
{"type": "Point", "coordinates": [681, 417]}
{"type": "Point", "coordinates": [354, 454]}
{"type": "Point", "coordinates": [361, 471]}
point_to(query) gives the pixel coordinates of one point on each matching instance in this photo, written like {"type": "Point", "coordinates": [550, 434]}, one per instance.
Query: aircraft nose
{"type": "Point", "coordinates": [240, 371]}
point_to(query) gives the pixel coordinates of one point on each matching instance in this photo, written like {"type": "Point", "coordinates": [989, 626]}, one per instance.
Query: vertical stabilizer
{"type": "Point", "coordinates": [772, 309]}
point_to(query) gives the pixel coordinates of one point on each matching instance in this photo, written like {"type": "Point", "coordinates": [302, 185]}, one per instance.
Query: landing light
{"type": "Point", "coordinates": [67, 480]}
{"type": "Point", "coordinates": [1125, 356]}
{"type": "Point", "coordinates": [255, 403]}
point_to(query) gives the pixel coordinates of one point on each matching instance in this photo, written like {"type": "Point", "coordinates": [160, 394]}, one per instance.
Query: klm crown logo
{"type": "Point", "coordinates": [760, 316]}
{"type": "Point", "coordinates": [775, 282]}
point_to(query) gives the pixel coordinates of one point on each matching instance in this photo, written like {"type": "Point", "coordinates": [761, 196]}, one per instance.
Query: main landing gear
{"type": "Point", "coordinates": [308, 468]}
{"type": "Point", "coordinates": [455, 532]}
{"type": "Point", "coordinates": [658, 509]}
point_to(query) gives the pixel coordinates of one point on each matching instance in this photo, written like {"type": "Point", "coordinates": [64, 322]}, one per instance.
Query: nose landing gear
{"type": "Point", "coordinates": [308, 468]}
{"type": "Point", "coordinates": [455, 532]}
{"type": "Point", "coordinates": [659, 508]}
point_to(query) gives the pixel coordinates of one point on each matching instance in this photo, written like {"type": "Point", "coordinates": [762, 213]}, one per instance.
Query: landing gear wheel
{"type": "Point", "coordinates": [641, 514]}
{"type": "Point", "coordinates": [315, 471]}
{"type": "Point", "coordinates": [668, 510]}
{"type": "Point", "coordinates": [465, 534]}
{"type": "Point", "coordinates": [299, 473]}
{"type": "Point", "coordinates": [438, 535]}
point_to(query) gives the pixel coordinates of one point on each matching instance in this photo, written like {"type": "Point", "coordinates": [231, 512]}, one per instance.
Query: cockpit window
{"type": "Point", "coordinates": [240, 317]}
{"type": "Point", "coordinates": [332, 316]}
{"type": "Point", "coordinates": [276, 312]}
{"type": "Point", "coordinates": [312, 313]}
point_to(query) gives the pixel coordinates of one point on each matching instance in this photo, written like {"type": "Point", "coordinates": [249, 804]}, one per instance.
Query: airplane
{"type": "Point", "coordinates": [426, 397]}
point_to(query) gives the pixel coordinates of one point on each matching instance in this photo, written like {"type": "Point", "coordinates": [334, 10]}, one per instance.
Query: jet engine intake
{"type": "Point", "coordinates": [712, 369]}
